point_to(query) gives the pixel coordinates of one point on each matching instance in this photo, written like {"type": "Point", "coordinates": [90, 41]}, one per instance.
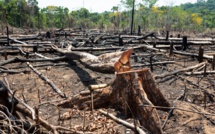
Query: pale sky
{"type": "Point", "coordinates": [99, 5]}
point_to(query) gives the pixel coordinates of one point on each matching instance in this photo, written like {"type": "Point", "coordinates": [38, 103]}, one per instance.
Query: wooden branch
{"type": "Point", "coordinates": [9, 71]}
{"type": "Point", "coordinates": [94, 49]}
{"type": "Point", "coordinates": [18, 59]}
{"type": "Point", "coordinates": [190, 39]}
{"type": "Point", "coordinates": [8, 61]}
{"type": "Point", "coordinates": [26, 105]}
{"type": "Point", "coordinates": [155, 63]}
{"type": "Point", "coordinates": [200, 73]}
{"type": "Point", "coordinates": [46, 124]}
{"type": "Point", "coordinates": [97, 38]}
{"type": "Point", "coordinates": [94, 87]}
{"type": "Point", "coordinates": [206, 116]}
{"type": "Point", "coordinates": [200, 87]}
{"type": "Point", "coordinates": [25, 38]}
{"type": "Point", "coordinates": [180, 71]}
{"type": "Point", "coordinates": [16, 51]}
{"type": "Point", "coordinates": [17, 41]}
{"type": "Point", "coordinates": [172, 39]}
{"type": "Point", "coordinates": [42, 65]}
{"type": "Point", "coordinates": [141, 37]}
{"type": "Point", "coordinates": [186, 110]}
{"type": "Point", "coordinates": [167, 46]}
{"type": "Point", "coordinates": [151, 48]}
{"type": "Point", "coordinates": [192, 54]}
{"type": "Point", "coordinates": [172, 109]}
{"type": "Point", "coordinates": [54, 87]}
{"type": "Point", "coordinates": [139, 130]}
{"type": "Point", "coordinates": [42, 56]}
{"type": "Point", "coordinates": [31, 45]}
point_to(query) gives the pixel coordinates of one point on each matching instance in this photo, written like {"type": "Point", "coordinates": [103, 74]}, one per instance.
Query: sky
{"type": "Point", "coordinates": [99, 5]}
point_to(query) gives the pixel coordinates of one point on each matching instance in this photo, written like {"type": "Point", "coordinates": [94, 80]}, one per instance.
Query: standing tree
{"type": "Point", "coordinates": [150, 3]}
{"type": "Point", "coordinates": [49, 12]}
{"type": "Point", "coordinates": [132, 18]}
{"type": "Point", "coordinates": [83, 17]}
{"type": "Point", "coordinates": [2, 15]}
{"type": "Point", "coordinates": [115, 10]}
{"type": "Point", "coordinates": [32, 4]}
{"type": "Point", "coordinates": [61, 17]}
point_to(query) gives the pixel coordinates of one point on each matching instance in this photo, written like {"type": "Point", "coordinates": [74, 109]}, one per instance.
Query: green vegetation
{"type": "Point", "coordinates": [205, 10]}
{"type": "Point", "coordinates": [27, 14]}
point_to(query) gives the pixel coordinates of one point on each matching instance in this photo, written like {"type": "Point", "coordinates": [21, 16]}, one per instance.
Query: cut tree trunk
{"type": "Point", "coordinates": [130, 91]}
{"type": "Point", "coordinates": [137, 88]}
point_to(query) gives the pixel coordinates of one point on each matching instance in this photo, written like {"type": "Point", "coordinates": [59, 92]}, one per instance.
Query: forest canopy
{"type": "Point", "coordinates": [27, 14]}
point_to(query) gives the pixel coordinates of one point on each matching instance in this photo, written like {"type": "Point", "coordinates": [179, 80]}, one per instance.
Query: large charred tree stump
{"type": "Point", "coordinates": [131, 91]}
{"type": "Point", "coordinates": [137, 88]}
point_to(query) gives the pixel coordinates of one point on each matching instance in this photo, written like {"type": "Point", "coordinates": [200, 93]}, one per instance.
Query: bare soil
{"type": "Point", "coordinates": [71, 77]}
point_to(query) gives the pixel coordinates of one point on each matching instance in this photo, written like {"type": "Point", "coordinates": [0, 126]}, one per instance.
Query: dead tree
{"type": "Point", "coordinates": [103, 63]}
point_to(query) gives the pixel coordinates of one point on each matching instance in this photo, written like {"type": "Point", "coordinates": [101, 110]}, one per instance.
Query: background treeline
{"type": "Point", "coordinates": [26, 14]}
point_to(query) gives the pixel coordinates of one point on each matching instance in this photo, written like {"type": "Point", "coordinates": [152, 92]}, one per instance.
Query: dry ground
{"type": "Point", "coordinates": [71, 77]}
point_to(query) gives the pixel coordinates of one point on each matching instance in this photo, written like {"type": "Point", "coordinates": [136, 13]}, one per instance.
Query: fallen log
{"type": "Point", "coordinates": [16, 50]}
{"type": "Point", "coordinates": [18, 41]}
{"type": "Point", "coordinates": [9, 71]}
{"type": "Point", "coordinates": [42, 65]}
{"type": "Point", "coordinates": [155, 63]}
{"type": "Point", "coordinates": [180, 71]}
{"type": "Point", "coordinates": [142, 37]}
{"type": "Point", "coordinates": [200, 73]}
{"type": "Point", "coordinates": [189, 39]}
{"type": "Point", "coordinates": [30, 45]}
{"type": "Point", "coordinates": [179, 43]}
{"type": "Point", "coordinates": [164, 38]}
{"type": "Point", "coordinates": [18, 59]}
{"type": "Point", "coordinates": [103, 63]}
{"type": "Point", "coordinates": [192, 54]}
{"type": "Point", "coordinates": [95, 49]}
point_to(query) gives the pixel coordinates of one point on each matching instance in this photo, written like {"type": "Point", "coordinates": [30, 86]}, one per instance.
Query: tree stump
{"type": "Point", "coordinates": [137, 88]}
{"type": "Point", "coordinates": [131, 91]}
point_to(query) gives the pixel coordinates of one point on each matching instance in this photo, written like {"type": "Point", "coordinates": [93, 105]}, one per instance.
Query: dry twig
{"type": "Point", "coordinates": [54, 87]}
{"type": "Point", "coordinates": [139, 130]}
